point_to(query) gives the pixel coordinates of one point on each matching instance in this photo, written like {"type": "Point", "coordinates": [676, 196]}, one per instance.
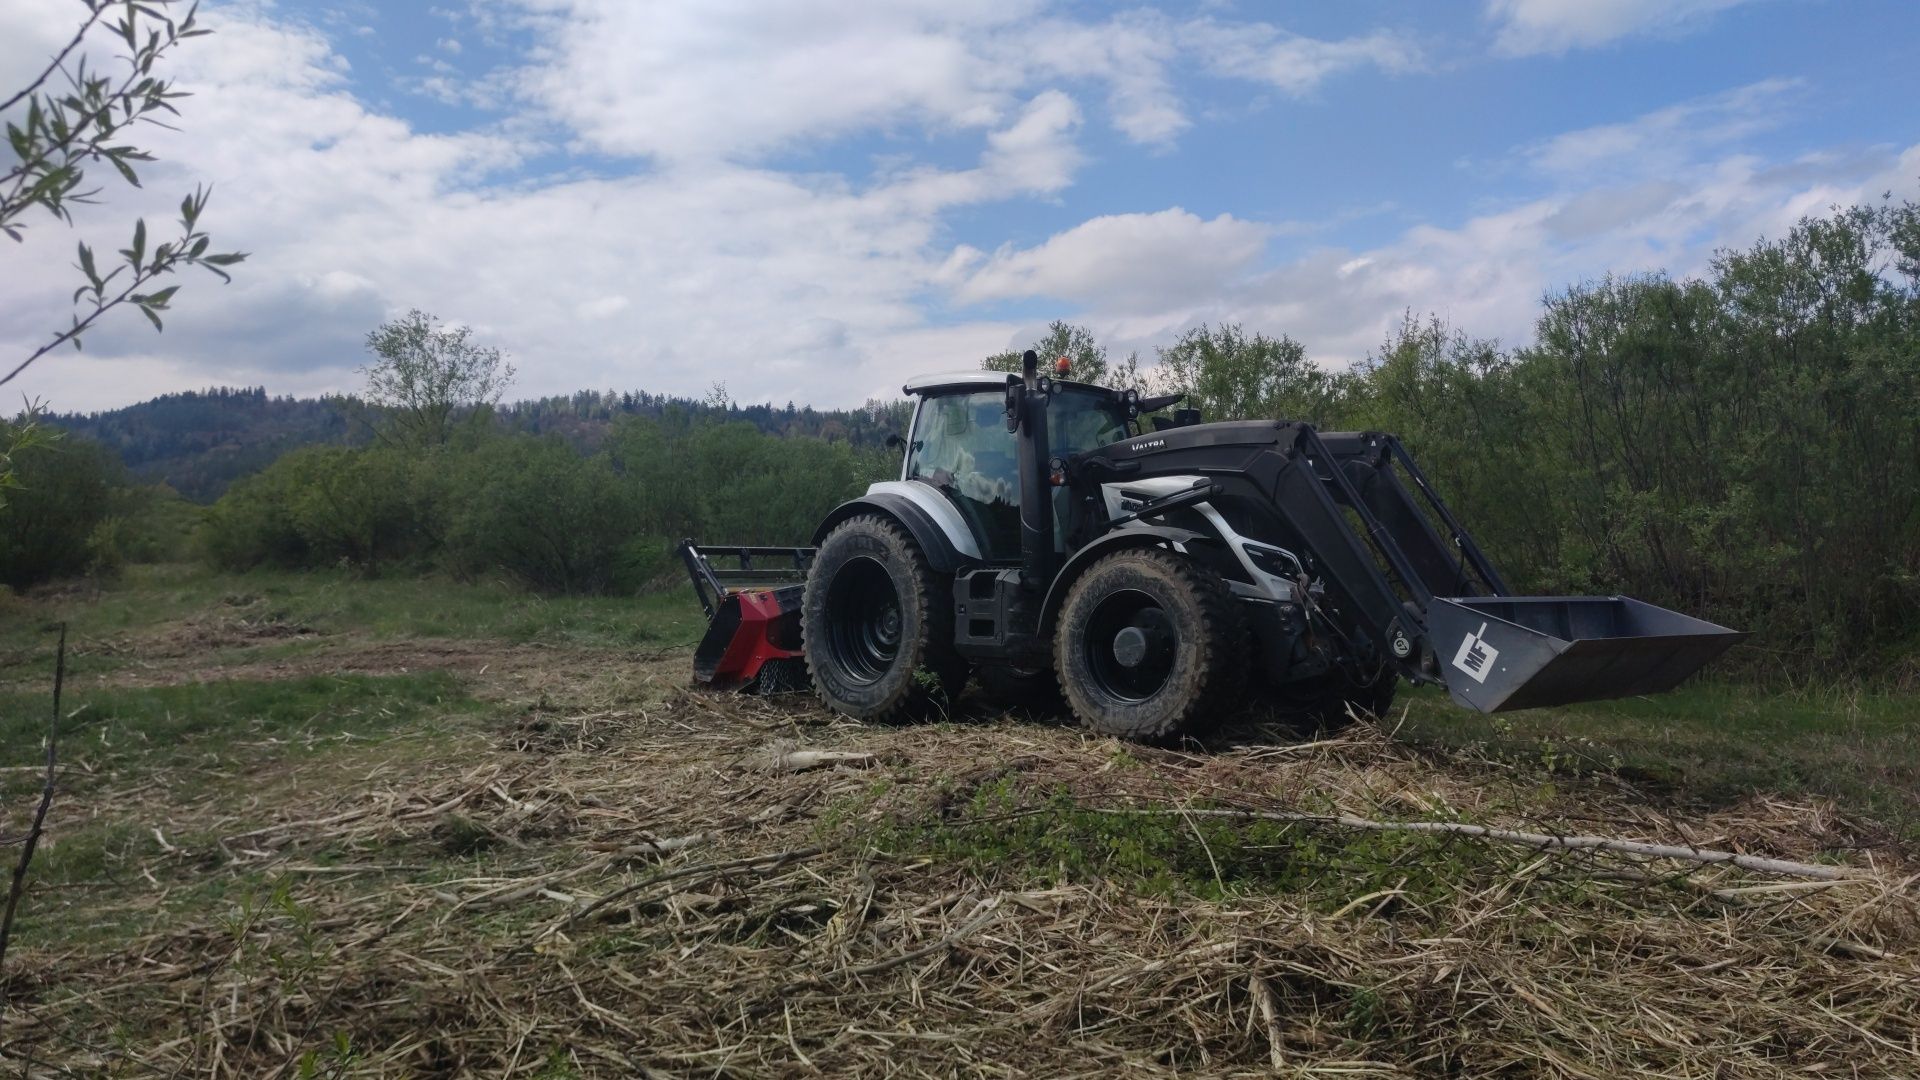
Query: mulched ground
{"type": "Point", "coordinates": [615, 875]}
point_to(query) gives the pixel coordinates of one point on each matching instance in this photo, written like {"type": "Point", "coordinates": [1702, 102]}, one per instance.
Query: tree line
{"type": "Point", "coordinates": [1744, 446]}
{"type": "Point", "coordinates": [199, 442]}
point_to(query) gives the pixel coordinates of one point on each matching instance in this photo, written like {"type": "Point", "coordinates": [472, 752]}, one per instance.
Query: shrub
{"type": "Point", "coordinates": [539, 511]}
{"type": "Point", "coordinates": [322, 506]}
{"type": "Point", "coordinates": [48, 522]}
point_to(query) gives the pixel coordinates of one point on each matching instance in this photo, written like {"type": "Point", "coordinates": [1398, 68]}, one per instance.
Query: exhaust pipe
{"type": "Point", "coordinates": [1500, 653]}
{"type": "Point", "coordinates": [1036, 491]}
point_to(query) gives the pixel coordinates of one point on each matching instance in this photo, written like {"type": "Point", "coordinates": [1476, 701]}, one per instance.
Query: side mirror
{"type": "Point", "coordinates": [895, 442]}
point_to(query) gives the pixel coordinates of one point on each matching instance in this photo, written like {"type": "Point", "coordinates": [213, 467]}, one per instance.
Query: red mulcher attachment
{"type": "Point", "coordinates": [753, 621]}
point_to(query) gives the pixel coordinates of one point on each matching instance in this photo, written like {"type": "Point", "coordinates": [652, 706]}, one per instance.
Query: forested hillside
{"type": "Point", "coordinates": [200, 441]}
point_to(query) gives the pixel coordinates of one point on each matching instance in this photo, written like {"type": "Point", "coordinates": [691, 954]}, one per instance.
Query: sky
{"type": "Point", "coordinates": [812, 200]}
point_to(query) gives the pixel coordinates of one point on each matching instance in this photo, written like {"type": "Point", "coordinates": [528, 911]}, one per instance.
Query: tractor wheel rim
{"type": "Point", "coordinates": [1129, 646]}
{"type": "Point", "coordinates": [865, 624]}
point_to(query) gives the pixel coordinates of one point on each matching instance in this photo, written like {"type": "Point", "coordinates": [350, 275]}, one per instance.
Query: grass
{"type": "Point", "coordinates": [1713, 742]}
{"type": "Point", "coordinates": [1710, 742]}
{"type": "Point", "coordinates": [105, 624]}
{"type": "Point", "coordinates": [215, 721]}
{"type": "Point", "coordinates": [340, 601]}
{"type": "Point", "coordinates": [1005, 833]}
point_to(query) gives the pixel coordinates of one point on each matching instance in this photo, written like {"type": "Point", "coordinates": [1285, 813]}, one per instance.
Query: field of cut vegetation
{"type": "Point", "coordinates": [319, 825]}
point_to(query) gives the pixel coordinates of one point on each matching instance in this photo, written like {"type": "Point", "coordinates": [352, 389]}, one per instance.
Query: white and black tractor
{"type": "Point", "coordinates": [1061, 540]}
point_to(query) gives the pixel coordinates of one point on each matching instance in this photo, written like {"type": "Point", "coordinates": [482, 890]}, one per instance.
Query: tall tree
{"type": "Point", "coordinates": [1086, 358]}
{"type": "Point", "coordinates": [1231, 375]}
{"type": "Point", "coordinates": [425, 375]}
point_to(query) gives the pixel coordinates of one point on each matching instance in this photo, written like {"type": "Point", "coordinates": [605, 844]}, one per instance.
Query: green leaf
{"type": "Point", "coordinates": [139, 241]}
{"type": "Point", "coordinates": [159, 299]}
{"type": "Point", "coordinates": [151, 317]}
{"type": "Point", "coordinates": [126, 171]}
{"type": "Point", "coordinates": [86, 265]}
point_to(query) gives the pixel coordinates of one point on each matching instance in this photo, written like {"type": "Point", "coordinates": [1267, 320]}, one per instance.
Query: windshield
{"type": "Point", "coordinates": [1079, 420]}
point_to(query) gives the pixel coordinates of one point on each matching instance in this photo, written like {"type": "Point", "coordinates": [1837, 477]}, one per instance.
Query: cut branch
{"type": "Point", "coordinates": [19, 884]}
{"type": "Point", "coordinates": [1539, 841]}
{"type": "Point", "coordinates": [802, 760]}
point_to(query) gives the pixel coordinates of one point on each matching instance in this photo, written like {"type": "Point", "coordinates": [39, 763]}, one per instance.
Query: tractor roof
{"type": "Point", "coordinates": [959, 381]}
{"type": "Point", "coordinates": [955, 380]}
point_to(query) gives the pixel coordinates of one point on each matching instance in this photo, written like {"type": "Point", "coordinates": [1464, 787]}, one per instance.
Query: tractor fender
{"type": "Point", "coordinates": [940, 550]}
{"type": "Point", "coordinates": [1135, 536]}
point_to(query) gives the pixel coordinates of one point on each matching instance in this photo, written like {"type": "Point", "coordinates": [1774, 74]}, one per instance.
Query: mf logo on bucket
{"type": "Point", "coordinates": [1475, 655]}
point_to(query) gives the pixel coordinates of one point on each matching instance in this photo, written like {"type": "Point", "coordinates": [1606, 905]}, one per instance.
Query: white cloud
{"type": "Point", "coordinates": [784, 284]}
{"type": "Point", "coordinates": [712, 263]}
{"type": "Point", "coordinates": [1662, 191]}
{"type": "Point", "coordinates": [1146, 262]}
{"type": "Point", "coordinates": [1290, 62]}
{"type": "Point", "coordinates": [1665, 136]}
{"type": "Point", "coordinates": [1526, 27]}
{"type": "Point", "coordinates": [731, 78]}
{"type": "Point", "coordinates": [1131, 53]}
{"type": "Point", "coordinates": [740, 79]}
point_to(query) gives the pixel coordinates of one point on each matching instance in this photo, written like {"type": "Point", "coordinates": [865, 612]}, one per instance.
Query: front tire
{"type": "Point", "coordinates": [876, 625]}
{"type": "Point", "coordinates": [1150, 645]}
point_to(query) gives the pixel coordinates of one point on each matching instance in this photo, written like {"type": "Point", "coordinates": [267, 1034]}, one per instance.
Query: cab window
{"type": "Point", "coordinates": [1080, 420]}
{"type": "Point", "coordinates": [961, 446]}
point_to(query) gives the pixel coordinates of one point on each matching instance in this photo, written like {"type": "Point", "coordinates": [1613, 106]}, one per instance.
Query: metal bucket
{"type": "Point", "coordinates": [1501, 653]}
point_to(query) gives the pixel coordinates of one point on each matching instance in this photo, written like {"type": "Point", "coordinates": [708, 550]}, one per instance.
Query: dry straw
{"type": "Point", "coordinates": [621, 890]}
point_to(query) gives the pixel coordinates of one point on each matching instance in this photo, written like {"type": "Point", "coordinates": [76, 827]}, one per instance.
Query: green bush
{"type": "Point", "coordinates": [325, 506]}
{"type": "Point", "coordinates": [156, 524]}
{"type": "Point", "coordinates": [539, 511]}
{"type": "Point", "coordinates": [49, 521]}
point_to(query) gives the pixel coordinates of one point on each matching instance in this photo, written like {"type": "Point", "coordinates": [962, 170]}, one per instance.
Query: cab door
{"type": "Point", "coordinates": [962, 448]}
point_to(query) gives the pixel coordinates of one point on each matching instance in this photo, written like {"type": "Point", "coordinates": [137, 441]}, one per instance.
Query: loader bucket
{"type": "Point", "coordinates": [1499, 653]}
{"type": "Point", "coordinates": [753, 641]}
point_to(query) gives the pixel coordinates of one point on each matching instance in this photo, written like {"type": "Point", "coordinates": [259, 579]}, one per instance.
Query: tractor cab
{"type": "Point", "coordinates": [960, 445]}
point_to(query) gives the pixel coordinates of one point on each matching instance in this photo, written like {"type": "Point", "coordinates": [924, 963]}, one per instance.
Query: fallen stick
{"type": "Point", "coordinates": [802, 760]}
{"type": "Point", "coordinates": [1269, 1004]}
{"type": "Point", "coordinates": [664, 846]}
{"type": "Point", "coordinates": [1707, 856]}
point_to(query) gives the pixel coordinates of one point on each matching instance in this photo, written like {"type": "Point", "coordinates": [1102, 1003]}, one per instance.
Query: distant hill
{"type": "Point", "coordinates": [201, 441]}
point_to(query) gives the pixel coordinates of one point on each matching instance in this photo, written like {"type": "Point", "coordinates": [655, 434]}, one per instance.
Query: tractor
{"type": "Point", "coordinates": [1151, 572]}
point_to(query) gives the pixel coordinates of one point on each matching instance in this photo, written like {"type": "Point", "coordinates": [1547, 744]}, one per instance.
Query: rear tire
{"type": "Point", "coordinates": [876, 625]}
{"type": "Point", "coordinates": [1150, 645]}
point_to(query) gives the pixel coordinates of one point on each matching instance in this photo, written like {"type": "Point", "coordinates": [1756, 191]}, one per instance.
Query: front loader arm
{"type": "Point", "coordinates": [1315, 496]}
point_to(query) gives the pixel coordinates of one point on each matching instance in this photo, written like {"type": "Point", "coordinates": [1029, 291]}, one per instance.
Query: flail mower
{"type": "Point", "coordinates": [1062, 540]}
